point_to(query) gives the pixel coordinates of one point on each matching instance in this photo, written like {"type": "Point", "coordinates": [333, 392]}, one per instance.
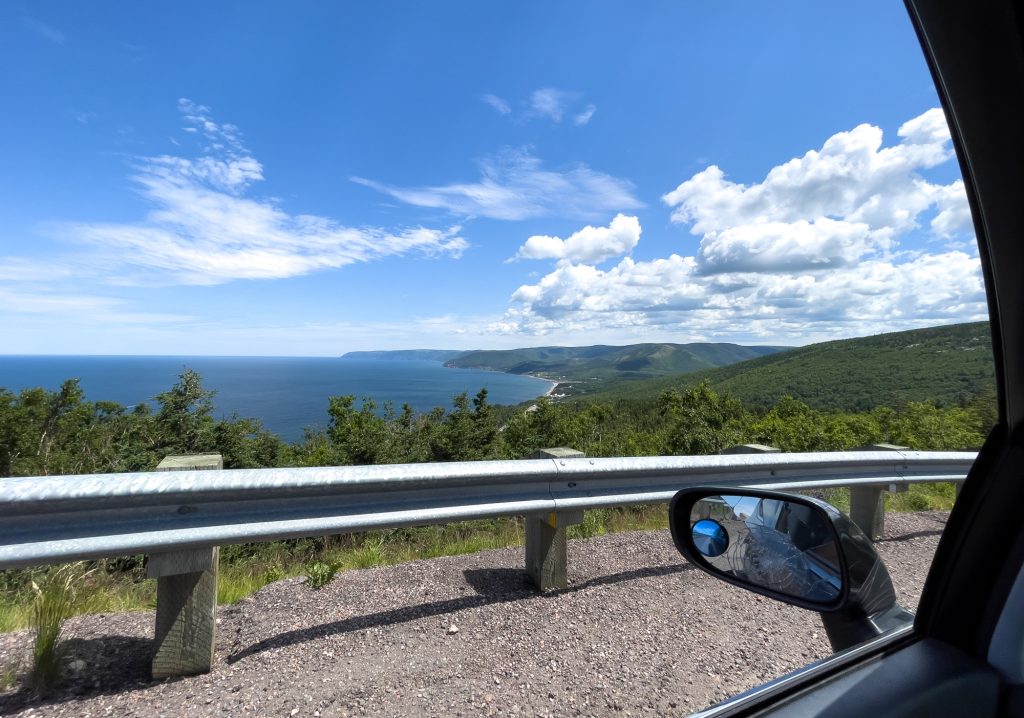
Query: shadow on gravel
{"type": "Point", "coordinates": [909, 536]}
{"type": "Point", "coordinates": [493, 585]}
{"type": "Point", "coordinates": [112, 664]}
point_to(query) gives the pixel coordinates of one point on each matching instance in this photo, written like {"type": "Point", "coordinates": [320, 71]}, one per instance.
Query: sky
{"type": "Point", "coordinates": [311, 178]}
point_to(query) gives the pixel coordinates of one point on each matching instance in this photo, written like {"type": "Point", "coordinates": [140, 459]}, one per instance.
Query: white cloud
{"type": "Point", "coordinates": [590, 244]}
{"type": "Point", "coordinates": [584, 117]}
{"type": "Point", "coordinates": [812, 251]}
{"type": "Point", "coordinates": [548, 103]}
{"type": "Point", "coordinates": [551, 102]}
{"type": "Point", "coordinates": [514, 186]}
{"type": "Point", "coordinates": [203, 230]}
{"type": "Point", "coordinates": [832, 207]}
{"type": "Point", "coordinates": [672, 294]}
{"type": "Point", "coordinates": [954, 212]}
{"type": "Point", "coordinates": [789, 246]}
{"type": "Point", "coordinates": [20, 269]}
{"type": "Point", "coordinates": [500, 106]}
{"type": "Point", "coordinates": [851, 177]}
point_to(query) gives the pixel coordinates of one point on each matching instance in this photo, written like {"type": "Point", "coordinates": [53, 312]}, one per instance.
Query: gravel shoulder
{"type": "Point", "coordinates": [638, 633]}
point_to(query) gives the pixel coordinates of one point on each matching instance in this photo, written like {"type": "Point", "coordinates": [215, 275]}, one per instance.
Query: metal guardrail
{"type": "Point", "coordinates": [47, 520]}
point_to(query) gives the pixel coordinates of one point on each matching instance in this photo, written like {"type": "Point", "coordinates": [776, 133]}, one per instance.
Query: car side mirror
{"type": "Point", "coordinates": [792, 548]}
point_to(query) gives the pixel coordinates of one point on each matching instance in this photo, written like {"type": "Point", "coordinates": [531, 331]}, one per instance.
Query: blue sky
{"type": "Point", "coordinates": [314, 178]}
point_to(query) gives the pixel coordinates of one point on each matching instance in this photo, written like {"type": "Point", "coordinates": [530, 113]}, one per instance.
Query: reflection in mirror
{"type": "Point", "coordinates": [710, 538]}
{"type": "Point", "coordinates": [779, 545]}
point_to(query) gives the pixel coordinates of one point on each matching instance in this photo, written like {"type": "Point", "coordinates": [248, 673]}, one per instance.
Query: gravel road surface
{"type": "Point", "coordinates": [638, 633]}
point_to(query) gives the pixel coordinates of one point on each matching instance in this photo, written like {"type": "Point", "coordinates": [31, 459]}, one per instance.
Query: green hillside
{"type": "Point", "coordinates": [582, 365]}
{"type": "Point", "coordinates": [948, 365]}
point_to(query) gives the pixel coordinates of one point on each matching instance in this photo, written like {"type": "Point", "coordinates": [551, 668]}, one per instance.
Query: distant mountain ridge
{"type": "Point", "coordinates": [583, 364]}
{"type": "Point", "coordinates": [441, 355]}
{"type": "Point", "coordinates": [600, 362]}
{"type": "Point", "coordinates": [948, 365]}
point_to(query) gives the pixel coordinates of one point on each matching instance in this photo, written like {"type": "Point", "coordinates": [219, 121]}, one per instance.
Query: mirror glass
{"type": "Point", "coordinates": [710, 538]}
{"type": "Point", "coordinates": [783, 546]}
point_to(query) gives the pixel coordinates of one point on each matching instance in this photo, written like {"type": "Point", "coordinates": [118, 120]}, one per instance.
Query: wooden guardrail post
{"type": "Point", "coordinates": [546, 535]}
{"type": "Point", "coordinates": [867, 503]}
{"type": "Point", "coordinates": [186, 594]}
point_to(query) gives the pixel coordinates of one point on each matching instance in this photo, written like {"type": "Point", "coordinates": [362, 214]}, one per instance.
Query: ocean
{"type": "Point", "coordinates": [285, 393]}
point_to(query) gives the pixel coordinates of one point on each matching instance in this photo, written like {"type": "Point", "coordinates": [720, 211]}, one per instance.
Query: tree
{"type": "Point", "coordinates": [701, 421]}
{"type": "Point", "coordinates": [358, 436]}
{"type": "Point", "coordinates": [184, 420]}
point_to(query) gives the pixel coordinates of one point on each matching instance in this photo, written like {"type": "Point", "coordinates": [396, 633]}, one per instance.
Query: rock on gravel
{"type": "Point", "coordinates": [638, 632]}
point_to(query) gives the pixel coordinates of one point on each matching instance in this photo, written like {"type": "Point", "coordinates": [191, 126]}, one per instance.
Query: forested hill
{"type": "Point", "coordinates": [636, 361]}
{"type": "Point", "coordinates": [947, 365]}
{"type": "Point", "coordinates": [441, 355]}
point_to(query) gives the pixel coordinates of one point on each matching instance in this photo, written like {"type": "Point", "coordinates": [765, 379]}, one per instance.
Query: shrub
{"type": "Point", "coordinates": [320, 574]}
{"type": "Point", "coordinates": [593, 524]}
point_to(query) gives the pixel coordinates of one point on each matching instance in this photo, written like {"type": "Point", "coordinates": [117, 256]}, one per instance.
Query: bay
{"type": "Point", "coordinates": [286, 393]}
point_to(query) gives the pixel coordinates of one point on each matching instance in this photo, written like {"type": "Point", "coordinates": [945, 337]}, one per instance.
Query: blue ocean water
{"type": "Point", "coordinates": [286, 393]}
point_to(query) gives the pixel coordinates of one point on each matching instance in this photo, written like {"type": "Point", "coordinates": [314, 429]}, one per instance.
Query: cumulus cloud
{"type": "Point", "coordinates": [789, 246]}
{"type": "Point", "coordinates": [832, 207]}
{"type": "Point", "coordinates": [590, 244]}
{"type": "Point", "coordinates": [954, 213]}
{"type": "Point", "coordinates": [672, 294]}
{"type": "Point", "coordinates": [852, 177]}
{"type": "Point", "coordinates": [815, 249]}
{"type": "Point", "coordinates": [514, 185]}
{"type": "Point", "coordinates": [203, 229]}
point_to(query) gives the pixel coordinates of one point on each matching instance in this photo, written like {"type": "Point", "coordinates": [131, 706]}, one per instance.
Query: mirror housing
{"type": "Point", "coordinates": [791, 548]}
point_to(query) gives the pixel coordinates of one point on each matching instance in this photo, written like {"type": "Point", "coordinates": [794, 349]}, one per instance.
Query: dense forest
{"type": "Point", "coordinates": [61, 432]}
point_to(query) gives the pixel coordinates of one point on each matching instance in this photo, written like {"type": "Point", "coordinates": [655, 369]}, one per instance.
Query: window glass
{"type": "Point", "coordinates": [343, 234]}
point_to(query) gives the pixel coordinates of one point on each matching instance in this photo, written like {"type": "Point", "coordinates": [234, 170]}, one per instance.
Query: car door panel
{"type": "Point", "coordinates": [893, 677]}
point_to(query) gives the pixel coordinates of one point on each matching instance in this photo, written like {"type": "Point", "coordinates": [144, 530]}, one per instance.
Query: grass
{"type": "Point", "coordinates": [247, 568]}
{"type": "Point", "coordinates": [56, 599]}
{"type": "Point", "coordinates": [922, 497]}
{"type": "Point", "coordinates": [9, 676]}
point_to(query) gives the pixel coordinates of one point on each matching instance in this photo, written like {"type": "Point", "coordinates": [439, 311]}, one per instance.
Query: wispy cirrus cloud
{"type": "Point", "coordinates": [500, 105]}
{"type": "Point", "coordinates": [514, 185]}
{"type": "Point", "coordinates": [81, 306]}
{"type": "Point", "coordinates": [584, 117]}
{"type": "Point", "coordinates": [44, 30]}
{"type": "Point", "coordinates": [203, 227]}
{"type": "Point", "coordinates": [551, 102]}
{"type": "Point", "coordinates": [548, 103]}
